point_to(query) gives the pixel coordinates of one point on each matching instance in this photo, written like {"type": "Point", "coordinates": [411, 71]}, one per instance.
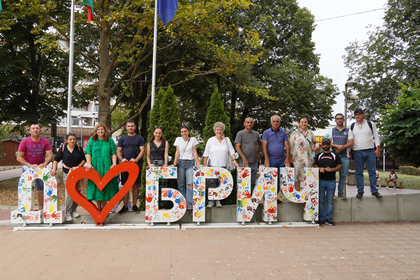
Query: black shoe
{"type": "Point", "coordinates": [329, 222]}
{"type": "Point", "coordinates": [378, 195]}
{"type": "Point", "coordinates": [359, 195]}
{"type": "Point", "coordinates": [123, 210]}
{"type": "Point", "coordinates": [136, 209]}
{"type": "Point", "coordinates": [321, 223]}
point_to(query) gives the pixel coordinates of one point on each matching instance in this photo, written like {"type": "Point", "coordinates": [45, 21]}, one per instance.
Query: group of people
{"type": "Point", "coordinates": [279, 151]}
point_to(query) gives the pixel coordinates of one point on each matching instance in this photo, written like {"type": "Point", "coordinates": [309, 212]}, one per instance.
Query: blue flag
{"type": "Point", "coordinates": [166, 10]}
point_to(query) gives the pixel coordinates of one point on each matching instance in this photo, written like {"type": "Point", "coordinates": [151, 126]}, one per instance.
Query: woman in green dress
{"type": "Point", "coordinates": [101, 156]}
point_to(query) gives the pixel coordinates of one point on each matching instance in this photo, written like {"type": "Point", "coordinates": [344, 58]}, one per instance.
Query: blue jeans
{"type": "Point", "coordinates": [360, 157]}
{"type": "Point", "coordinates": [326, 190]}
{"type": "Point", "coordinates": [343, 175]}
{"type": "Point", "coordinates": [277, 163]}
{"type": "Point", "coordinates": [185, 177]}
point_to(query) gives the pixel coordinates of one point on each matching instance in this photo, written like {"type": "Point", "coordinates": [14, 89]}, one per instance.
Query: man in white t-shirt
{"type": "Point", "coordinates": [366, 147]}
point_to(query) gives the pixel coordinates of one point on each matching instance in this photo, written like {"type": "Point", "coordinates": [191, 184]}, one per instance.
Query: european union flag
{"type": "Point", "coordinates": [166, 10]}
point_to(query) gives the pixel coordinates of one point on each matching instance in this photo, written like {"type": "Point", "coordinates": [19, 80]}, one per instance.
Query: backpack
{"type": "Point", "coordinates": [369, 123]}
{"type": "Point", "coordinates": [373, 137]}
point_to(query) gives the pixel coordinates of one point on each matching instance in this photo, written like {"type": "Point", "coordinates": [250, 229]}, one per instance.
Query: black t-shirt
{"type": "Point", "coordinates": [70, 159]}
{"type": "Point", "coordinates": [327, 160]}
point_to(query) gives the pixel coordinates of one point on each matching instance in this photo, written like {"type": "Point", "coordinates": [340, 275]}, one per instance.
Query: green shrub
{"type": "Point", "coordinates": [409, 170]}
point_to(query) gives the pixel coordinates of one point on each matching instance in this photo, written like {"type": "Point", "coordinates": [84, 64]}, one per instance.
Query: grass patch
{"type": "Point", "coordinates": [409, 181]}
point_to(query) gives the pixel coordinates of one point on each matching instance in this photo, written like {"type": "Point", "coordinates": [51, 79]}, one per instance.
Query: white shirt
{"type": "Point", "coordinates": [362, 136]}
{"type": "Point", "coordinates": [186, 147]}
{"type": "Point", "coordinates": [218, 152]}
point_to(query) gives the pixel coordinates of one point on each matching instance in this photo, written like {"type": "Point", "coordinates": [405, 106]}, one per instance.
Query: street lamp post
{"type": "Point", "coordinates": [350, 83]}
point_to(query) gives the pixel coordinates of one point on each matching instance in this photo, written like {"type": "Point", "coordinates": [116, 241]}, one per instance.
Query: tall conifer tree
{"type": "Point", "coordinates": [215, 113]}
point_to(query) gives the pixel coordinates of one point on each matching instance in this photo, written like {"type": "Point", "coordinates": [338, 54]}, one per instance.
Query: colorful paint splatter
{"type": "Point", "coordinates": [307, 195]}
{"type": "Point", "coordinates": [266, 186]}
{"type": "Point", "coordinates": [26, 190]}
{"type": "Point", "coordinates": [219, 193]}
{"type": "Point", "coordinates": [153, 214]}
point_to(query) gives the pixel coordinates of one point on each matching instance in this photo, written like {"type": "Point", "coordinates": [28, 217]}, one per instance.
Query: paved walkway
{"type": "Point", "coordinates": [346, 251]}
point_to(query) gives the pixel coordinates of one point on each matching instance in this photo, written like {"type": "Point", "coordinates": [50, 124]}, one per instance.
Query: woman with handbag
{"type": "Point", "coordinates": [73, 157]}
{"type": "Point", "coordinates": [186, 153]}
{"type": "Point", "coordinates": [302, 144]}
{"type": "Point", "coordinates": [219, 152]}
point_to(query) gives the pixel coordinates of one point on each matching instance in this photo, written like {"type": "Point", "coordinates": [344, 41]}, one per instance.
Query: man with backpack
{"type": "Point", "coordinates": [131, 148]}
{"type": "Point", "coordinates": [365, 150]}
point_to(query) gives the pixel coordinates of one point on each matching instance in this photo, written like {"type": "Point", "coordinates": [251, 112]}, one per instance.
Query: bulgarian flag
{"type": "Point", "coordinates": [89, 6]}
{"type": "Point", "coordinates": [166, 10]}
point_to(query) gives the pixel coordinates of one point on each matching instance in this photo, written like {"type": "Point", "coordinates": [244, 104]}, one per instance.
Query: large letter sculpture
{"type": "Point", "coordinates": [266, 186]}
{"type": "Point", "coordinates": [153, 214]}
{"type": "Point", "coordinates": [93, 175]}
{"type": "Point", "coordinates": [219, 193]}
{"type": "Point", "coordinates": [26, 190]}
{"type": "Point", "coordinates": [308, 195]}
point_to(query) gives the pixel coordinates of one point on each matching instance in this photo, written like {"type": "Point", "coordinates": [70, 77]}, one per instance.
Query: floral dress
{"type": "Point", "coordinates": [301, 152]}
{"type": "Point", "coordinates": [101, 152]}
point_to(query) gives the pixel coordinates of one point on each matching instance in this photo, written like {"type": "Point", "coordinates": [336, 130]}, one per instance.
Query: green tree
{"type": "Point", "coordinates": [400, 126]}
{"type": "Point", "coordinates": [169, 119]}
{"type": "Point", "coordinates": [215, 113]}
{"type": "Point", "coordinates": [33, 72]}
{"type": "Point", "coordinates": [389, 57]}
{"type": "Point", "coordinates": [285, 80]}
{"type": "Point", "coordinates": [122, 54]}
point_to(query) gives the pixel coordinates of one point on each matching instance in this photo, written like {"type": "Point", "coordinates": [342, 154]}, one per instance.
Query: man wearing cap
{"type": "Point", "coordinates": [340, 143]}
{"type": "Point", "coordinates": [366, 147]}
{"type": "Point", "coordinates": [328, 163]}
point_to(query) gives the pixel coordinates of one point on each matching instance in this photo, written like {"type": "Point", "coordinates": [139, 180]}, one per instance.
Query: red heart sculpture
{"type": "Point", "coordinates": [93, 175]}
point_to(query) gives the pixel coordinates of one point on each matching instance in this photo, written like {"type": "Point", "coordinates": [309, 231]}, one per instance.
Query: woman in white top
{"type": "Point", "coordinates": [186, 153]}
{"type": "Point", "coordinates": [217, 149]}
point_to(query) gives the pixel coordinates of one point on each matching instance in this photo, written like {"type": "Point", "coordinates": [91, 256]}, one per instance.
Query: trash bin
{"type": "Point", "coordinates": [351, 177]}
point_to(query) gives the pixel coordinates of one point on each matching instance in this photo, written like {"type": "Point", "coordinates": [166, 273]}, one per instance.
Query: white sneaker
{"type": "Point", "coordinates": [68, 217]}
{"type": "Point", "coordinates": [218, 204]}
{"type": "Point", "coordinates": [210, 204]}
{"type": "Point", "coordinates": [75, 214]}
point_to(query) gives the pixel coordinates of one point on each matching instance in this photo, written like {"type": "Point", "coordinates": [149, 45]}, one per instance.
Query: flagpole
{"type": "Point", "coordinates": [154, 56]}
{"type": "Point", "coordinates": [71, 62]}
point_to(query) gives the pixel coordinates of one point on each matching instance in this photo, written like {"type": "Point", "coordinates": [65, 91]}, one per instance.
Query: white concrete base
{"type": "Point", "coordinates": [247, 225]}
{"type": "Point", "coordinates": [162, 226]}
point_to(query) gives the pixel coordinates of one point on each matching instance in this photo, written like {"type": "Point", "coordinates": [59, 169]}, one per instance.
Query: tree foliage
{"type": "Point", "coordinates": [389, 57]}
{"type": "Point", "coordinates": [169, 119]}
{"type": "Point", "coordinates": [120, 48]}
{"type": "Point", "coordinates": [400, 126]}
{"type": "Point", "coordinates": [285, 80]}
{"type": "Point", "coordinates": [33, 69]}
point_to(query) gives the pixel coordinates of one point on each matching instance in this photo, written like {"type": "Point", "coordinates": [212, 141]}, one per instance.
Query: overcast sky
{"type": "Point", "coordinates": [332, 36]}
